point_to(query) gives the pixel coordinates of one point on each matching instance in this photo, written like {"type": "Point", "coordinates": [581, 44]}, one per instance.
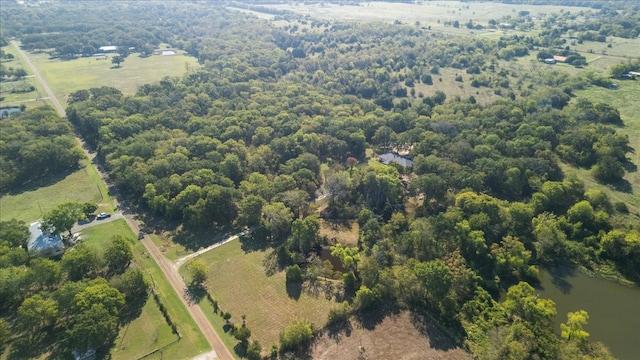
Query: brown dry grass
{"type": "Point", "coordinates": [401, 336]}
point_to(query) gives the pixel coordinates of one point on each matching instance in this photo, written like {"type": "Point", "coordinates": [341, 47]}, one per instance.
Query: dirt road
{"type": "Point", "coordinates": [168, 270]}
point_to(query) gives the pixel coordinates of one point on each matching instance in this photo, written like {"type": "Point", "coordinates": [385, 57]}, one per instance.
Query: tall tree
{"type": "Point", "coordinates": [62, 217]}
{"type": "Point", "coordinates": [118, 254]}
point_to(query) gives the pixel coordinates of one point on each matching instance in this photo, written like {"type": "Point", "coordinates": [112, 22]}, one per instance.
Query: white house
{"type": "Point", "coordinates": [43, 243]}
{"type": "Point", "coordinates": [109, 48]}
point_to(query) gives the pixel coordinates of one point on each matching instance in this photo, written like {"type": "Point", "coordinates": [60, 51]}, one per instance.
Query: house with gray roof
{"type": "Point", "coordinates": [42, 243]}
{"type": "Point", "coordinates": [391, 157]}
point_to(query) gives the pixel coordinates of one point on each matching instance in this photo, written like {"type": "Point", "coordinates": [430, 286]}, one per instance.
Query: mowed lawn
{"type": "Point", "coordinates": [34, 200]}
{"type": "Point", "coordinates": [625, 99]}
{"type": "Point", "coordinates": [239, 281]}
{"type": "Point", "coordinates": [149, 331]}
{"type": "Point", "coordinates": [67, 76]}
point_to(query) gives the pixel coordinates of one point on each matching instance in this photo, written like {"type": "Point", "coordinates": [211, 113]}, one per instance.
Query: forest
{"type": "Point", "coordinates": [278, 116]}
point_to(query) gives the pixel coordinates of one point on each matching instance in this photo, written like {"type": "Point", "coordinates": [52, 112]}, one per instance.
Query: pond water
{"type": "Point", "coordinates": [614, 309]}
{"type": "Point", "coordinates": [8, 111]}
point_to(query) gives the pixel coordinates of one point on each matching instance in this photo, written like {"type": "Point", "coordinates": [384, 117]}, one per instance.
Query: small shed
{"type": "Point", "coordinates": [550, 61]}
{"type": "Point", "coordinates": [391, 157]}
{"type": "Point", "coordinates": [42, 243]}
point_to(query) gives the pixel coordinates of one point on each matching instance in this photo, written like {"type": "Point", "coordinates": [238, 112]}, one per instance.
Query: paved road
{"type": "Point", "coordinates": [81, 226]}
{"type": "Point", "coordinates": [169, 271]}
{"type": "Point", "coordinates": [184, 259]}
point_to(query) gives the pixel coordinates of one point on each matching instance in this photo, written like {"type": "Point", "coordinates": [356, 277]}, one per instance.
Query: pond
{"type": "Point", "coordinates": [614, 309]}
{"type": "Point", "coordinates": [8, 111]}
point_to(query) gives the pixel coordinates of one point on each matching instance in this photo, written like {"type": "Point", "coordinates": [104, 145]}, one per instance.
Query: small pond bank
{"type": "Point", "coordinates": [614, 309]}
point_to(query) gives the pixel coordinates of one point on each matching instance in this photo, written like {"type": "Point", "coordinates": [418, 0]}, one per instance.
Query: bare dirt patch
{"type": "Point", "coordinates": [396, 337]}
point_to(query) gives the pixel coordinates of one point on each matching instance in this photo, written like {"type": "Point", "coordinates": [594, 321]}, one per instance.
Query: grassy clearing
{"type": "Point", "coordinates": [239, 281]}
{"type": "Point", "coordinates": [67, 76]}
{"type": "Point", "coordinates": [625, 99]}
{"type": "Point", "coordinates": [138, 339]}
{"type": "Point", "coordinates": [31, 202]}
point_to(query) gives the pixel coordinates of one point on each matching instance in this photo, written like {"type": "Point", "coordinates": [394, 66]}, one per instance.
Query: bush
{"type": "Point", "coordinates": [297, 336]}
{"type": "Point", "coordinates": [294, 274]}
{"type": "Point", "coordinates": [254, 350]}
{"type": "Point", "coordinates": [339, 314]}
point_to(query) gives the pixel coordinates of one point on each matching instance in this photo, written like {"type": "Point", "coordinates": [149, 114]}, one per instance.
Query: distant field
{"type": "Point", "coordinates": [428, 11]}
{"type": "Point", "coordinates": [67, 76]}
{"type": "Point", "coordinates": [28, 99]}
{"type": "Point", "coordinates": [30, 203]}
{"type": "Point", "coordinates": [150, 331]}
{"type": "Point", "coordinates": [239, 281]}
{"type": "Point", "coordinates": [625, 99]}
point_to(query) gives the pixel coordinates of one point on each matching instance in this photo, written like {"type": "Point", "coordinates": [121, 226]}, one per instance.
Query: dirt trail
{"type": "Point", "coordinates": [168, 270]}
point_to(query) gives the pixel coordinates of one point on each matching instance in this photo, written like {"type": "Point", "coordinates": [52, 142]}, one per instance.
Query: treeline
{"type": "Point", "coordinates": [34, 145]}
{"type": "Point", "coordinates": [58, 306]}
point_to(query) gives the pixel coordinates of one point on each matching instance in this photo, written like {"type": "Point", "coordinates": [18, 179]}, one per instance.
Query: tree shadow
{"type": "Point", "coordinates": [195, 293]}
{"type": "Point", "coordinates": [559, 275]}
{"type": "Point", "coordinates": [194, 240]}
{"type": "Point", "coordinates": [428, 328]}
{"type": "Point", "coordinates": [623, 186]}
{"type": "Point", "coordinates": [28, 347]}
{"type": "Point", "coordinates": [369, 319]}
{"type": "Point", "coordinates": [133, 309]}
{"type": "Point", "coordinates": [44, 181]}
{"type": "Point", "coordinates": [254, 241]}
{"type": "Point", "coordinates": [294, 290]}
{"type": "Point", "coordinates": [339, 330]}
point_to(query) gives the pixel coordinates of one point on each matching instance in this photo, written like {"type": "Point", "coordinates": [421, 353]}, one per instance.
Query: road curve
{"type": "Point", "coordinates": [168, 270]}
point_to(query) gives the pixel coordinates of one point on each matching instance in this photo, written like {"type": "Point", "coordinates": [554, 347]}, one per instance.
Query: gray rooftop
{"type": "Point", "coordinates": [390, 157]}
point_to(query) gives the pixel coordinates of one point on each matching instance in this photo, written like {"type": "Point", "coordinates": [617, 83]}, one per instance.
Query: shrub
{"type": "Point", "coordinates": [294, 274]}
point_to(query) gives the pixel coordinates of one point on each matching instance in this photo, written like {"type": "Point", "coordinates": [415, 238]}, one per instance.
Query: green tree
{"type": "Point", "coordinates": [118, 254]}
{"type": "Point", "coordinates": [36, 313]}
{"type": "Point", "coordinates": [277, 219]}
{"type": "Point", "coordinates": [133, 284]}
{"type": "Point", "coordinates": [46, 272]}
{"type": "Point", "coordinates": [294, 274]}
{"type": "Point", "coordinates": [99, 292]}
{"type": "Point", "coordinates": [5, 333]}
{"type": "Point", "coordinates": [117, 60]}
{"type": "Point", "coordinates": [349, 256]}
{"type": "Point", "coordinates": [93, 328]}
{"type": "Point", "coordinates": [297, 336]}
{"type": "Point", "coordinates": [198, 273]}
{"type": "Point", "coordinates": [13, 233]}
{"type": "Point", "coordinates": [250, 210]}
{"type": "Point", "coordinates": [62, 217]}
{"type": "Point", "coordinates": [254, 350]}
{"type": "Point", "coordinates": [242, 334]}
{"type": "Point", "coordinates": [88, 209]}
{"type": "Point", "coordinates": [435, 276]}
{"type": "Point", "coordinates": [82, 262]}
{"type": "Point", "coordinates": [573, 330]}
{"type": "Point", "coordinates": [365, 298]}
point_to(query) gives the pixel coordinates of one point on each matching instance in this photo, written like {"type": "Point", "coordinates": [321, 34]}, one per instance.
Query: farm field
{"type": "Point", "coordinates": [34, 200]}
{"type": "Point", "coordinates": [149, 331]}
{"type": "Point", "coordinates": [238, 280]}
{"type": "Point", "coordinates": [67, 76]}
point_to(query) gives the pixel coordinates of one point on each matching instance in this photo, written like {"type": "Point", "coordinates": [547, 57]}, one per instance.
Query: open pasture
{"type": "Point", "coordinates": [67, 76]}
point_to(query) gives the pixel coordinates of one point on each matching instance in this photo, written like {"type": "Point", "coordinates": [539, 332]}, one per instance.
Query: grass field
{"type": "Point", "coordinates": [67, 76]}
{"type": "Point", "coordinates": [150, 331]}
{"type": "Point", "coordinates": [239, 281]}
{"type": "Point", "coordinates": [31, 202]}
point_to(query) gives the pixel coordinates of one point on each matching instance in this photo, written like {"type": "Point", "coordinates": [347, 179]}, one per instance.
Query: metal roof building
{"type": "Point", "coordinates": [43, 244]}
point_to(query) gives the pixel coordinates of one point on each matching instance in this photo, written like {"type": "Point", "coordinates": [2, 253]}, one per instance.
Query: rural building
{"type": "Point", "coordinates": [43, 243]}
{"type": "Point", "coordinates": [559, 58]}
{"type": "Point", "coordinates": [109, 48]}
{"type": "Point", "coordinates": [634, 73]}
{"type": "Point", "coordinates": [550, 61]}
{"type": "Point", "coordinates": [390, 157]}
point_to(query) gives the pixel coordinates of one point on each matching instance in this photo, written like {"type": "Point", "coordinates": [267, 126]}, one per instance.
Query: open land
{"type": "Point", "coordinates": [248, 282]}
{"type": "Point", "coordinates": [412, 338]}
